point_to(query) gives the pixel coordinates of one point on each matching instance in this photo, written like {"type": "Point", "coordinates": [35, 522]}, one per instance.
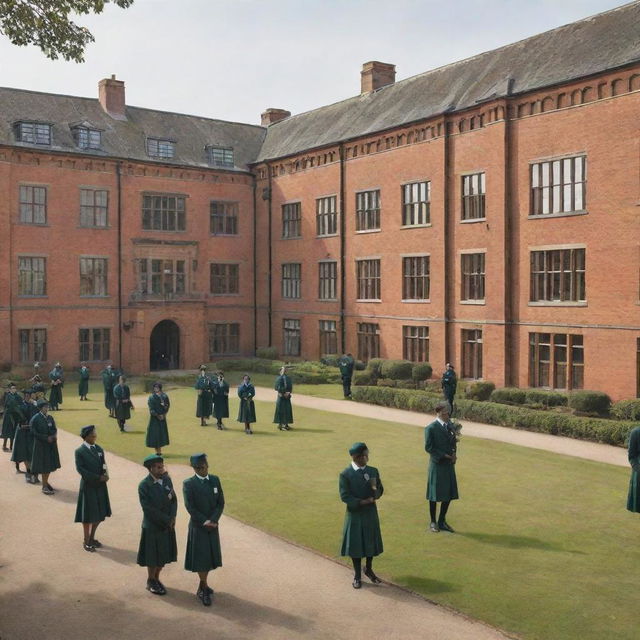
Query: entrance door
{"type": "Point", "coordinates": [164, 346]}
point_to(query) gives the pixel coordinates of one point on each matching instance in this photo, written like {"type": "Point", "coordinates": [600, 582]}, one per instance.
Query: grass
{"type": "Point", "coordinates": [544, 547]}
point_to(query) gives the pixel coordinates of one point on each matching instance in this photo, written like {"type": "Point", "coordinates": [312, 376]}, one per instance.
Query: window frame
{"type": "Point", "coordinates": [473, 276]}
{"type": "Point", "coordinates": [219, 156]}
{"type": "Point", "coordinates": [226, 219]}
{"type": "Point", "coordinates": [368, 337]}
{"type": "Point", "coordinates": [328, 337]}
{"type": "Point", "coordinates": [416, 278]}
{"type": "Point", "coordinates": [415, 347]}
{"type": "Point", "coordinates": [228, 335]}
{"type": "Point", "coordinates": [472, 354]}
{"type": "Point", "coordinates": [90, 348]}
{"type": "Point", "coordinates": [551, 282]}
{"type": "Point", "coordinates": [292, 220]}
{"type": "Point", "coordinates": [92, 282]}
{"type": "Point", "coordinates": [558, 190]}
{"type": "Point", "coordinates": [178, 280]}
{"type": "Point", "coordinates": [36, 136]}
{"type": "Point", "coordinates": [326, 216]}
{"type": "Point", "coordinates": [291, 281]}
{"type": "Point", "coordinates": [36, 351]}
{"type": "Point", "coordinates": [368, 280]}
{"type": "Point", "coordinates": [328, 280]}
{"type": "Point", "coordinates": [368, 210]}
{"type": "Point", "coordinates": [552, 367]}
{"type": "Point", "coordinates": [156, 218]}
{"type": "Point", "coordinates": [415, 209]}
{"type": "Point", "coordinates": [30, 282]}
{"type": "Point", "coordinates": [473, 197]}
{"type": "Point", "coordinates": [162, 148]}
{"type": "Point", "coordinates": [28, 196]}
{"type": "Point", "coordinates": [80, 132]}
{"type": "Point", "coordinates": [291, 336]}
{"type": "Point", "coordinates": [227, 278]}
{"type": "Point", "coordinates": [93, 209]}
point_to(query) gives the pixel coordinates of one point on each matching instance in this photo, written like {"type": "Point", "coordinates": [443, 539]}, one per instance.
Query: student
{"type": "Point", "coordinates": [346, 364]}
{"type": "Point", "coordinates": [83, 381]}
{"type": "Point", "coordinates": [12, 416]}
{"type": "Point", "coordinates": [283, 416]}
{"type": "Point", "coordinates": [449, 384]}
{"type": "Point", "coordinates": [23, 443]}
{"type": "Point", "coordinates": [122, 402]}
{"type": "Point", "coordinates": [204, 403]}
{"type": "Point", "coordinates": [220, 389]}
{"type": "Point", "coordinates": [157, 431]}
{"type": "Point", "coordinates": [109, 379]}
{"type": "Point", "coordinates": [45, 458]}
{"type": "Point", "coordinates": [247, 409]}
{"type": "Point", "coordinates": [56, 375]}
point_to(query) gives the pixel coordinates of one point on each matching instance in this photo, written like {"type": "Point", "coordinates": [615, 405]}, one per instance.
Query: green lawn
{"type": "Point", "coordinates": [544, 547]}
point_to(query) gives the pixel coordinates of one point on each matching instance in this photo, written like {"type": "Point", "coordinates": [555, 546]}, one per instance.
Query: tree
{"type": "Point", "coordinates": [46, 24]}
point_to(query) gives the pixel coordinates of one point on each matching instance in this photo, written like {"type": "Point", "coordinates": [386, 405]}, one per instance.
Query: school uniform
{"type": "Point", "coordinates": [440, 440]}
{"type": "Point", "coordinates": [204, 403]}
{"type": "Point", "coordinates": [633, 497]}
{"type": "Point", "coordinates": [83, 382]}
{"type": "Point", "coordinates": [157, 431]}
{"type": "Point", "coordinates": [122, 401]}
{"type": "Point", "coordinates": [55, 394]}
{"type": "Point", "coordinates": [284, 411]}
{"type": "Point", "coordinates": [247, 408]}
{"type": "Point", "coordinates": [45, 457]}
{"type": "Point", "coordinates": [93, 497]}
{"type": "Point", "coordinates": [220, 391]}
{"type": "Point", "coordinates": [12, 414]}
{"type": "Point", "coordinates": [23, 443]}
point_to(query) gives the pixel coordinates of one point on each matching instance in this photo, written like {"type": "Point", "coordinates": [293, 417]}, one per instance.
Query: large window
{"type": "Point", "coordinates": [94, 207]}
{"type": "Point", "coordinates": [291, 220]}
{"type": "Point", "coordinates": [291, 337]}
{"type": "Point", "coordinates": [162, 277]}
{"type": "Point", "coordinates": [163, 213]}
{"type": "Point", "coordinates": [87, 138]}
{"type": "Point", "coordinates": [472, 353]}
{"type": "Point", "coordinates": [95, 344]}
{"type": "Point", "coordinates": [33, 132]}
{"type": "Point", "coordinates": [415, 278]}
{"type": "Point", "coordinates": [33, 204]}
{"type": "Point", "coordinates": [472, 269]}
{"type": "Point", "coordinates": [157, 148]}
{"type": "Point", "coordinates": [415, 344]}
{"type": "Point", "coordinates": [556, 360]}
{"type": "Point", "coordinates": [559, 186]}
{"type": "Point", "coordinates": [225, 279]}
{"type": "Point", "coordinates": [93, 277]}
{"type": "Point", "coordinates": [33, 345]}
{"type": "Point", "coordinates": [326, 216]}
{"type": "Point", "coordinates": [328, 280]}
{"type": "Point", "coordinates": [291, 280]}
{"type": "Point", "coordinates": [416, 198]}
{"type": "Point", "coordinates": [368, 340]}
{"type": "Point", "coordinates": [328, 337]}
{"type": "Point", "coordinates": [223, 220]}
{"type": "Point", "coordinates": [473, 192]}
{"type": "Point", "coordinates": [368, 210]}
{"type": "Point", "coordinates": [32, 276]}
{"type": "Point", "coordinates": [224, 339]}
{"type": "Point", "coordinates": [558, 275]}
{"type": "Point", "coordinates": [220, 156]}
{"type": "Point", "coordinates": [368, 279]}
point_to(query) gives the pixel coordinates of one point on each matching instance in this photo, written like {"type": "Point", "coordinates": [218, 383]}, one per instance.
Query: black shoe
{"type": "Point", "coordinates": [248, 432]}
{"type": "Point", "coordinates": [220, 427]}
{"type": "Point", "coordinates": [47, 491]}
{"type": "Point", "coordinates": [445, 527]}
{"type": "Point", "coordinates": [27, 477]}
{"type": "Point", "coordinates": [162, 591]}
{"type": "Point", "coordinates": [96, 543]}
{"type": "Point", "coordinates": [357, 583]}
{"type": "Point", "coordinates": [87, 546]}
{"type": "Point", "coordinates": [372, 576]}
{"type": "Point", "coordinates": [155, 588]}
{"type": "Point", "coordinates": [280, 428]}
{"type": "Point", "coordinates": [35, 479]}
{"type": "Point", "coordinates": [204, 597]}
{"type": "Point", "coordinates": [433, 527]}
{"type": "Point", "coordinates": [287, 427]}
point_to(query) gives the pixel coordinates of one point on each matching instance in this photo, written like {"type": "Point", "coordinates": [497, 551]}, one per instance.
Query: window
{"type": "Point", "coordinates": [368, 279]}
{"type": "Point", "coordinates": [558, 275]}
{"type": "Point", "coordinates": [291, 220]}
{"type": "Point", "coordinates": [157, 148]}
{"type": "Point", "coordinates": [556, 361]}
{"type": "Point", "coordinates": [415, 278]}
{"type": "Point", "coordinates": [163, 213]}
{"type": "Point", "coordinates": [224, 339]}
{"type": "Point", "coordinates": [328, 337]}
{"type": "Point", "coordinates": [33, 204]}
{"type": "Point", "coordinates": [87, 138]}
{"type": "Point", "coordinates": [291, 280]}
{"type": "Point", "coordinates": [559, 186]}
{"type": "Point", "coordinates": [368, 210]}
{"type": "Point", "coordinates": [473, 190]}
{"type": "Point", "coordinates": [220, 156]}
{"type": "Point", "coordinates": [224, 279]}
{"type": "Point", "coordinates": [326, 216]}
{"type": "Point", "coordinates": [472, 353]}
{"type": "Point", "coordinates": [95, 344]}
{"type": "Point", "coordinates": [93, 277]}
{"type": "Point", "coordinates": [415, 344]}
{"type": "Point", "coordinates": [33, 132]}
{"type": "Point", "coordinates": [416, 198]}
{"type": "Point", "coordinates": [162, 277]}
{"type": "Point", "coordinates": [32, 276]}
{"type": "Point", "coordinates": [223, 218]}
{"type": "Point", "coordinates": [472, 269]}
{"type": "Point", "coordinates": [368, 340]}
{"type": "Point", "coordinates": [291, 337]}
{"type": "Point", "coordinates": [94, 207]}
{"type": "Point", "coordinates": [327, 280]}
{"type": "Point", "coordinates": [33, 345]}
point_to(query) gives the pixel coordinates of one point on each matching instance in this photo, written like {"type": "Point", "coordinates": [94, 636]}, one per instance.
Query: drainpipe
{"type": "Point", "coordinates": [343, 330]}
{"type": "Point", "coordinates": [255, 276]}
{"type": "Point", "coordinates": [270, 266]}
{"type": "Point", "coordinates": [510, 273]}
{"type": "Point", "coordinates": [119, 197]}
{"type": "Point", "coordinates": [449, 257]}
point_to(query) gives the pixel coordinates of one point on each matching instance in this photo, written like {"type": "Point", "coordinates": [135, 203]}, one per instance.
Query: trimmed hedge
{"type": "Point", "coordinates": [396, 369]}
{"type": "Point", "coordinates": [365, 377]}
{"type": "Point", "coordinates": [546, 398]}
{"type": "Point", "coordinates": [626, 410]}
{"type": "Point", "coordinates": [479, 391]}
{"type": "Point", "coordinates": [374, 366]}
{"type": "Point", "coordinates": [421, 371]}
{"type": "Point", "coordinates": [267, 353]}
{"type": "Point", "coordinates": [508, 395]}
{"type": "Point", "coordinates": [590, 402]}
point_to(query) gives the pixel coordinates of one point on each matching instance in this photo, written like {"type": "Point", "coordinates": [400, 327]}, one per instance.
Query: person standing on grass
{"type": "Point", "coordinates": [93, 497]}
{"type": "Point", "coordinates": [220, 390]}
{"type": "Point", "coordinates": [159, 503]}
{"type": "Point", "coordinates": [157, 430]}
{"type": "Point", "coordinates": [360, 487]}
{"type": "Point", "coordinates": [83, 381]}
{"type": "Point", "coordinates": [204, 500]}
{"type": "Point", "coordinates": [633, 497]}
{"type": "Point", "coordinates": [109, 379]}
{"type": "Point", "coordinates": [204, 402]}
{"type": "Point", "coordinates": [283, 416]}
{"type": "Point", "coordinates": [23, 443]}
{"type": "Point", "coordinates": [12, 416]}
{"type": "Point", "coordinates": [442, 486]}
{"type": "Point", "coordinates": [449, 383]}
{"type": "Point", "coordinates": [56, 375]}
{"type": "Point", "coordinates": [346, 364]}
{"type": "Point", "coordinates": [45, 458]}
{"type": "Point", "coordinates": [122, 402]}
{"type": "Point", "coordinates": [247, 409]}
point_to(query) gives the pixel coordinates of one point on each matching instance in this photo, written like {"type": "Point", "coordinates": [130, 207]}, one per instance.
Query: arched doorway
{"type": "Point", "coordinates": [164, 346]}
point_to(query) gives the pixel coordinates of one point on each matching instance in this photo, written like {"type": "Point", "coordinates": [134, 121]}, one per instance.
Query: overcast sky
{"type": "Point", "coordinates": [231, 59]}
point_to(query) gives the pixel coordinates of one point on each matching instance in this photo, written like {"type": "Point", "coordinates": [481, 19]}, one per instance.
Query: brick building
{"type": "Point", "coordinates": [483, 213]}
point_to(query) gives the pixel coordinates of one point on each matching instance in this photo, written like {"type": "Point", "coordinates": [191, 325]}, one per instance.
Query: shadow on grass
{"type": "Point", "coordinates": [518, 542]}
{"type": "Point", "coordinates": [303, 430]}
{"type": "Point", "coordinates": [140, 431]}
{"type": "Point", "coordinates": [425, 586]}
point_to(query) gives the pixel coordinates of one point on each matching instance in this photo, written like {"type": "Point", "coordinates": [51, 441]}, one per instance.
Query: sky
{"type": "Point", "coordinates": [232, 59]}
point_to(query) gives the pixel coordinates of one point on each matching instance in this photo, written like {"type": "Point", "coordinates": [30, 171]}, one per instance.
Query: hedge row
{"type": "Point", "coordinates": [307, 372]}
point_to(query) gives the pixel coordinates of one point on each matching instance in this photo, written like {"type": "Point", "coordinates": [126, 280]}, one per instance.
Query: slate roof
{"type": "Point", "coordinates": [601, 42]}
{"type": "Point", "coordinates": [126, 138]}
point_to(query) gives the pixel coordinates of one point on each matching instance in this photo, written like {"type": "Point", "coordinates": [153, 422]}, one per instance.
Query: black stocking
{"type": "Point", "coordinates": [444, 507]}
{"type": "Point", "coordinates": [357, 568]}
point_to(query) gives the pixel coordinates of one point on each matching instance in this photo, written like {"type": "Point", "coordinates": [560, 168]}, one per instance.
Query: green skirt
{"type": "Point", "coordinates": [157, 548]}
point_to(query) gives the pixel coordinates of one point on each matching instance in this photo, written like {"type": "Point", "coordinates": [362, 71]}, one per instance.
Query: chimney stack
{"type": "Point", "coordinates": [270, 116]}
{"type": "Point", "coordinates": [375, 75]}
{"type": "Point", "coordinates": [111, 96]}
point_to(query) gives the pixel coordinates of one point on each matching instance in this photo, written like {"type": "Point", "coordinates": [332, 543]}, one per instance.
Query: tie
{"type": "Point", "coordinates": [93, 449]}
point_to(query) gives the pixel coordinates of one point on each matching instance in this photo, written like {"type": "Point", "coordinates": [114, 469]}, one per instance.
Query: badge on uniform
{"type": "Point", "coordinates": [170, 493]}
{"type": "Point", "coordinates": [366, 477]}
{"type": "Point", "coordinates": [215, 489]}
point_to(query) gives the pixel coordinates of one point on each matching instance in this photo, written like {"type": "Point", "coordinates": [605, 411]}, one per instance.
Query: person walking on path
{"type": "Point", "coordinates": [45, 457]}
{"type": "Point", "coordinates": [220, 390]}
{"type": "Point", "coordinates": [122, 402]}
{"type": "Point", "coordinates": [442, 486]}
{"type": "Point", "coordinates": [360, 487]}
{"type": "Point", "coordinates": [247, 409]}
{"type": "Point", "coordinates": [449, 384]}
{"type": "Point", "coordinates": [204, 500]}
{"type": "Point", "coordinates": [157, 430]}
{"type": "Point", "coordinates": [23, 443]}
{"type": "Point", "coordinates": [159, 503]}
{"type": "Point", "coordinates": [12, 416]}
{"type": "Point", "coordinates": [83, 382]}
{"type": "Point", "coordinates": [93, 497]}
{"type": "Point", "coordinates": [633, 497]}
{"type": "Point", "coordinates": [204, 403]}
{"type": "Point", "coordinates": [36, 382]}
{"type": "Point", "coordinates": [283, 416]}
{"type": "Point", "coordinates": [109, 379]}
{"type": "Point", "coordinates": [346, 364]}
{"type": "Point", "coordinates": [56, 375]}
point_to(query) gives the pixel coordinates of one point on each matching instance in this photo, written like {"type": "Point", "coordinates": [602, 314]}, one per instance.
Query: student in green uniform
{"type": "Point", "coordinates": [83, 381]}
{"type": "Point", "coordinates": [360, 487]}
{"type": "Point", "coordinates": [56, 375]}
{"type": "Point", "coordinates": [109, 379]}
{"type": "Point", "coordinates": [157, 431]}
{"type": "Point", "coordinates": [346, 364]}
{"type": "Point", "coordinates": [93, 497]}
{"type": "Point", "coordinates": [247, 408]}
{"type": "Point", "coordinates": [204, 403]}
{"type": "Point", "coordinates": [36, 383]}
{"type": "Point", "coordinates": [23, 444]}
{"type": "Point", "coordinates": [122, 402]}
{"type": "Point", "coordinates": [220, 390]}
{"type": "Point", "coordinates": [283, 416]}
{"type": "Point", "coordinates": [45, 458]}
{"type": "Point", "coordinates": [633, 498]}
{"type": "Point", "coordinates": [158, 537]}
{"type": "Point", "coordinates": [204, 500]}
{"type": "Point", "coordinates": [449, 384]}
{"type": "Point", "coordinates": [442, 486]}
{"type": "Point", "coordinates": [12, 416]}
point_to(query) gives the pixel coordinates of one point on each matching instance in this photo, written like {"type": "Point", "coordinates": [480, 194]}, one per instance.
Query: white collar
{"type": "Point", "coordinates": [441, 421]}
{"type": "Point", "coordinates": [202, 477]}
{"type": "Point", "coordinates": [86, 444]}
{"type": "Point", "coordinates": [158, 481]}
{"type": "Point", "coordinates": [356, 467]}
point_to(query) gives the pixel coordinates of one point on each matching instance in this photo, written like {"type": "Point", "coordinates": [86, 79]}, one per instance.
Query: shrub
{"type": "Point", "coordinates": [267, 353]}
{"type": "Point", "coordinates": [396, 369]}
{"type": "Point", "coordinates": [359, 365]}
{"type": "Point", "coordinates": [386, 382]}
{"type": "Point", "coordinates": [330, 361]}
{"type": "Point", "coordinates": [595, 402]}
{"type": "Point", "coordinates": [363, 378]}
{"type": "Point", "coordinates": [421, 371]}
{"type": "Point", "coordinates": [479, 391]}
{"type": "Point", "coordinates": [508, 395]}
{"type": "Point", "coordinates": [374, 366]}
{"type": "Point", "coordinates": [546, 398]}
{"type": "Point", "coordinates": [405, 384]}
{"type": "Point", "coordinates": [626, 410]}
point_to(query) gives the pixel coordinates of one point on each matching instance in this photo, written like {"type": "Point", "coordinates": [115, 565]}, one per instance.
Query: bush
{"type": "Point", "coordinates": [267, 353]}
{"type": "Point", "coordinates": [396, 369]}
{"type": "Point", "coordinates": [479, 391]}
{"type": "Point", "coordinates": [546, 398]}
{"type": "Point", "coordinates": [508, 395]}
{"type": "Point", "coordinates": [595, 402]}
{"type": "Point", "coordinates": [626, 410]}
{"type": "Point", "coordinates": [364, 378]}
{"type": "Point", "coordinates": [421, 371]}
{"type": "Point", "coordinates": [359, 365]}
{"type": "Point", "coordinates": [330, 361]}
{"type": "Point", "coordinates": [374, 366]}
{"type": "Point", "coordinates": [386, 382]}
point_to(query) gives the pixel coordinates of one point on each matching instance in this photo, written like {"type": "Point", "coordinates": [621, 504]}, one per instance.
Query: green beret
{"type": "Point", "coordinates": [357, 448]}
{"type": "Point", "coordinates": [85, 431]}
{"type": "Point", "coordinates": [149, 460]}
{"type": "Point", "coordinates": [197, 458]}
{"type": "Point", "coordinates": [42, 402]}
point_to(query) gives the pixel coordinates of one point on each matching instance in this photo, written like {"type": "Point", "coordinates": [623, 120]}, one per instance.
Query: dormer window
{"type": "Point", "coordinates": [33, 132]}
{"type": "Point", "coordinates": [158, 148]}
{"type": "Point", "coordinates": [87, 138]}
{"type": "Point", "coordinates": [220, 156]}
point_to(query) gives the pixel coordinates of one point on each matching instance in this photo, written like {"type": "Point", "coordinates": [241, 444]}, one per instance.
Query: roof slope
{"type": "Point", "coordinates": [605, 41]}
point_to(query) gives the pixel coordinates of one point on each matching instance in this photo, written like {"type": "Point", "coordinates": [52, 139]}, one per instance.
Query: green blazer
{"type": "Point", "coordinates": [159, 503]}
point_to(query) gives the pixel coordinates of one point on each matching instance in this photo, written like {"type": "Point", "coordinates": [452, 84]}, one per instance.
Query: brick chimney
{"type": "Point", "coordinates": [375, 75]}
{"type": "Point", "coordinates": [111, 96]}
{"type": "Point", "coordinates": [270, 116]}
